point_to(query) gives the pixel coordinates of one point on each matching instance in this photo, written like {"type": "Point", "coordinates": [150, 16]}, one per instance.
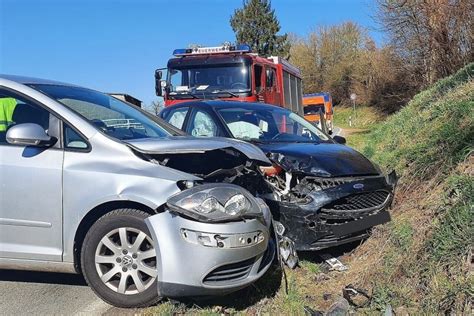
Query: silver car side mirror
{"type": "Point", "coordinates": [29, 134]}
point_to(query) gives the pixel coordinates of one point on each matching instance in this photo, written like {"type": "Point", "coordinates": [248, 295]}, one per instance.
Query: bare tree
{"type": "Point", "coordinates": [155, 107]}
{"type": "Point", "coordinates": [328, 57]}
{"type": "Point", "coordinates": [434, 37]}
{"type": "Point", "coordinates": [342, 59]}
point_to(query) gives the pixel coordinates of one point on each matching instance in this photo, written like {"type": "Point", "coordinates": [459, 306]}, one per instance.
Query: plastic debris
{"type": "Point", "coordinates": [334, 263]}
{"type": "Point", "coordinates": [340, 308]}
{"type": "Point", "coordinates": [355, 296]}
{"type": "Point", "coordinates": [288, 252]}
{"type": "Point", "coordinates": [311, 312]}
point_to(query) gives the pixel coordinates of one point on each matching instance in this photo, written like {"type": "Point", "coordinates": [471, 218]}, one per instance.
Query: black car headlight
{"type": "Point", "coordinates": [216, 203]}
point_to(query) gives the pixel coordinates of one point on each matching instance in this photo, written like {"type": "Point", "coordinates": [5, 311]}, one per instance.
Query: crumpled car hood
{"type": "Point", "coordinates": [189, 144]}
{"type": "Point", "coordinates": [319, 159]}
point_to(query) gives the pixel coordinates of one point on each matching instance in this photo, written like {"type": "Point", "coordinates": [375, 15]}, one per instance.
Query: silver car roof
{"type": "Point", "coordinates": [31, 80]}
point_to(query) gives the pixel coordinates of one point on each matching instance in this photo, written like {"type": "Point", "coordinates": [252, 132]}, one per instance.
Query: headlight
{"type": "Point", "coordinates": [216, 202]}
{"type": "Point", "coordinates": [236, 205]}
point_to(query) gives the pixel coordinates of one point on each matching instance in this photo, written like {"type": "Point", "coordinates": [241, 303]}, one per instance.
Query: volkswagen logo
{"type": "Point", "coordinates": [127, 260]}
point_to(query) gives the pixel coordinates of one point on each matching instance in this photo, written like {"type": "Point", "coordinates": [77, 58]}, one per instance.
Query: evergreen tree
{"type": "Point", "coordinates": [257, 25]}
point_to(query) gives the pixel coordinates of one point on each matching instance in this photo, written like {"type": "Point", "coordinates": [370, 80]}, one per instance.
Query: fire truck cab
{"type": "Point", "coordinates": [230, 73]}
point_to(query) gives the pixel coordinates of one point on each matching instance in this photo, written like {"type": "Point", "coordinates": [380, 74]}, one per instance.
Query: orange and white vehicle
{"type": "Point", "coordinates": [230, 73]}
{"type": "Point", "coordinates": [316, 103]}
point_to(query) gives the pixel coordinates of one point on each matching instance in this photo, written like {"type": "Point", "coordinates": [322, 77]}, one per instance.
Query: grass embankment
{"type": "Point", "coordinates": [421, 262]}
{"type": "Point", "coordinates": [365, 117]}
{"type": "Point", "coordinates": [363, 121]}
{"type": "Point", "coordinates": [423, 259]}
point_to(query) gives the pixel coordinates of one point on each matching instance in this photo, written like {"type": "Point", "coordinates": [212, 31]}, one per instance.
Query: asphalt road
{"type": "Point", "coordinates": [41, 293]}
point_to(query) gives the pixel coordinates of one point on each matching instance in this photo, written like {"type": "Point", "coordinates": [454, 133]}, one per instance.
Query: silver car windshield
{"type": "Point", "coordinates": [112, 116]}
{"type": "Point", "coordinates": [270, 125]}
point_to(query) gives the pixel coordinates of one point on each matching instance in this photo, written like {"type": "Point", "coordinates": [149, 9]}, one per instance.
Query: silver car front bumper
{"type": "Point", "coordinates": [201, 259]}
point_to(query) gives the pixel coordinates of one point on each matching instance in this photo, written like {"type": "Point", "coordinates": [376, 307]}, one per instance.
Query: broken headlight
{"type": "Point", "coordinates": [216, 202]}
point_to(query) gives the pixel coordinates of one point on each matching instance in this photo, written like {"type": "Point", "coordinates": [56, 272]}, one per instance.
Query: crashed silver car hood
{"type": "Point", "coordinates": [189, 144]}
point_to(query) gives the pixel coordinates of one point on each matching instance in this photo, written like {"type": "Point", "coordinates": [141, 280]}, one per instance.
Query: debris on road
{"type": "Point", "coordinates": [311, 312]}
{"type": "Point", "coordinates": [288, 252]}
{"type": "Point", "coordinates": [334, 263]}
{"type": "Point", "coordinates": [339, 308]}
{"type": "Point", "coordinates": [355, 296]}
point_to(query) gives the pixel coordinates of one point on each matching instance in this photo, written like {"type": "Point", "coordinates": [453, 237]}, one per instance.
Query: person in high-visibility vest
{"type": "Point", "coordinates": [7, 107]}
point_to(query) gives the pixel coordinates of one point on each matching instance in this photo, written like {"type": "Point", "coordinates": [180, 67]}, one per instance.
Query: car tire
{"type": "Point", "coordinates": [123, 275]}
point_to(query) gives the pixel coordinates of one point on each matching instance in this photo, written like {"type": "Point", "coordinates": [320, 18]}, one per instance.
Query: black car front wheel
{"type": "Point", "coordinates": [118, 259]}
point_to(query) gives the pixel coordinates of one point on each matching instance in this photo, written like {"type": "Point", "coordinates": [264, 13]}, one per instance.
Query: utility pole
{"type": "Point", "coordinates": [353, 97]}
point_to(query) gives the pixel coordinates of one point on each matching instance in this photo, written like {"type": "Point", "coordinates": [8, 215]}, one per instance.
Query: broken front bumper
{"type": "Point", "coordinates": [337, 215]}
{"type": "Point", "coordinates": [201, 259]}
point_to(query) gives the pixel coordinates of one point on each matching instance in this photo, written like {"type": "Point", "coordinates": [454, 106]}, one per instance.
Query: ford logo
{"type": "Point", "coordinates": [358, 186]}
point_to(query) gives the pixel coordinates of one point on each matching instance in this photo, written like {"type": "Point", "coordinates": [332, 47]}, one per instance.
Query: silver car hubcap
{"type": "Point", "coordinates": [125, 260]}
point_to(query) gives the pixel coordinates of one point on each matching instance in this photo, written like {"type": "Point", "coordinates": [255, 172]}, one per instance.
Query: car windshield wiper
{"type": "Point", "coordinates": [251, 140]}
{"type": "Point", "coordinates": [178, 96]}
{"type": "Point", "coordinates": [225, 91]}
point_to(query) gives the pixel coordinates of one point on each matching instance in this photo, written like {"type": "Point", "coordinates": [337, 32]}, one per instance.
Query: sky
{"type": "Point", "coordinates": [116, 45]}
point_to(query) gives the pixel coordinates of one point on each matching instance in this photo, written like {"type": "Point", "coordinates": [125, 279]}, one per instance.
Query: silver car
{"type": "Point", "coordinates": [93, 185]}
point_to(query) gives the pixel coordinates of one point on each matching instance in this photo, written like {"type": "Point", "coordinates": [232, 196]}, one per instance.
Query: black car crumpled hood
{"type": "Point", "coordinates": [319, 159]}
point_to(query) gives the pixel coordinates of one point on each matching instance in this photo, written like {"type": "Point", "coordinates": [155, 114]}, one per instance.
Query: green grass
{"type": "Point", "coordinates": [310, 267]}
{"type": "Point", "coordinates": [433, 133]}
{"type": "Point", "coordinates": [358, 139]}
{"type": "Point", "coordinates": [365, 117]}
{"type": "Point", "coordinates": [447, 275]}
{"type": "Point", "coordinates": [426, 249]}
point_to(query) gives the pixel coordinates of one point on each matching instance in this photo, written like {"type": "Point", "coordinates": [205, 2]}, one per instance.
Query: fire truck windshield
{"type": "Point", "coordinates": [222, 80]}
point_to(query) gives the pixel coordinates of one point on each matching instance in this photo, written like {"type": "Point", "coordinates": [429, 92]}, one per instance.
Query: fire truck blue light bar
{"type": "Point", "coordinates": [244, 48]}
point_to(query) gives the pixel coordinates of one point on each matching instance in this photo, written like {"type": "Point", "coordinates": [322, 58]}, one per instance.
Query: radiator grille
{"type": "Point", "coordinates": [230, 272]}
{"type": "Point", "coordinates": [358, 201]}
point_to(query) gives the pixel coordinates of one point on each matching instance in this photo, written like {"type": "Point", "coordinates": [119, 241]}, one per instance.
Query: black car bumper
{"type": "Point", "coordinates": [337, 215]}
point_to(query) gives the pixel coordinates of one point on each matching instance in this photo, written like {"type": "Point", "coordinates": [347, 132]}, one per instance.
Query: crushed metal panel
{"type": "Point", "coordinates": [188, 144]}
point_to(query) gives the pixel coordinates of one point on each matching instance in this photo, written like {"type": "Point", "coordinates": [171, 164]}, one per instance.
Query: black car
{"type": "Point", "coordinates": [324, 193]}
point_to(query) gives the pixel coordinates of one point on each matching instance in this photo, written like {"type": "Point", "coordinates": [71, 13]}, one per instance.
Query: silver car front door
{"type": "Point", "coordinates": [30, 188]}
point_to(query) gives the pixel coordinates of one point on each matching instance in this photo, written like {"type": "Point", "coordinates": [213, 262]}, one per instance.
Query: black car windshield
{"type": "Point", "coordinates": [270, 124]}
{"type": "Point", "coordinates": [114, 117]}
{"type": "Point", "coordinates": [223, 80]}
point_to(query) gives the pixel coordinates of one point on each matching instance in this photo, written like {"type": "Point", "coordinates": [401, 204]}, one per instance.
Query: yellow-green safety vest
{"type": "Point", "coordinates": [7, 106]}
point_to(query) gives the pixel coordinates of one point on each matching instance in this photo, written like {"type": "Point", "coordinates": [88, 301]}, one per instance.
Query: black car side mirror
{"type": "Point", "coordinates": [339, 139]}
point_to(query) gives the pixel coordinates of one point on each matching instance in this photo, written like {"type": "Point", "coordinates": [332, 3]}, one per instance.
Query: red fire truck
{"type": "Point", "coordinates": [230, 73]}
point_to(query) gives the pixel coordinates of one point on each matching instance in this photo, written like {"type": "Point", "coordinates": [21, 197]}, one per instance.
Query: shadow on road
{"type": "Point", "coordinates": [337, 252]}
{"type": "Point", "coordinates": [42, 277]}
{"type": "Point", "coordinates": [265, 287]}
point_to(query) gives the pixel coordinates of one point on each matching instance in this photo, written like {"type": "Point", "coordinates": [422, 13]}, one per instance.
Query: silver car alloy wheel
{"type": "Point", "coordinates": [125, 260]}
